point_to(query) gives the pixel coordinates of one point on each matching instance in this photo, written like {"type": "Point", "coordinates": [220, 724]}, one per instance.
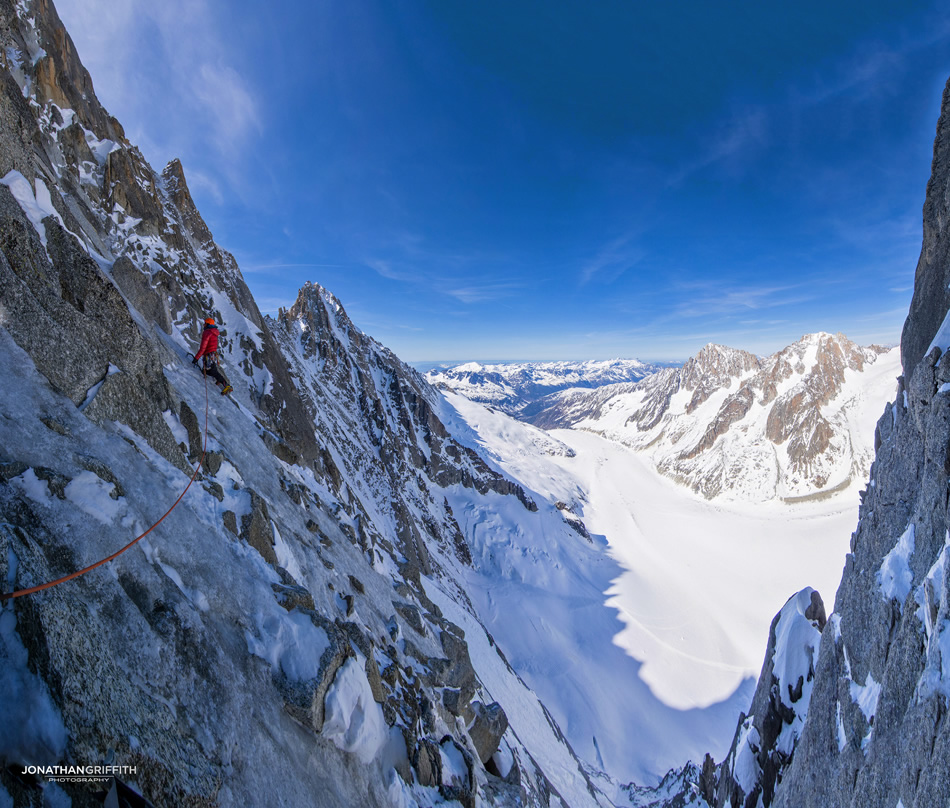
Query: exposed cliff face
{"type": "Point", "coordinates": [876, 733]}
{"type": "Point", "coordinates": [932, 279]}
{"type": "Point", "coordinates": [102, 190]}
{"type": "Point", "coordinates": [274, 640]}
{"type": "Point", "coordinates": [729, 424]}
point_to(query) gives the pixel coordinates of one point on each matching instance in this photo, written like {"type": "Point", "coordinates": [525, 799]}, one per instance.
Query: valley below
{"type": "Point", "coordinates": [666, 630]}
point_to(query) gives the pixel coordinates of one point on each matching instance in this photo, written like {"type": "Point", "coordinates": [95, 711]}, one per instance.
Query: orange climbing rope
{"type": "Point", "coordinates": [20, 592]}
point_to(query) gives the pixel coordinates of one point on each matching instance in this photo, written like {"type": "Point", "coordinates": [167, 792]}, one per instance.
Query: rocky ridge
{"type": "Point", "coordinates": [279, 635]}
{"type": "Point", "coordinates": [732, 425]}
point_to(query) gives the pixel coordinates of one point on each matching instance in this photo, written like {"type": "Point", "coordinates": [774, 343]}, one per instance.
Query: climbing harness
{"type": "Point", "coordinates": [84, 570]}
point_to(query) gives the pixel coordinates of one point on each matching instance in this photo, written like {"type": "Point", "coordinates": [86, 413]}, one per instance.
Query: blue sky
{"type": "Point", "coordinates": [547, 179]}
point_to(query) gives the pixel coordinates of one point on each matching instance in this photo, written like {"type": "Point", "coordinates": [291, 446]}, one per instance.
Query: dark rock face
{"type": "Point", "coordinates": [74, 324]}
{"type": "Point", "coordinates": [765, 739]}
{"type": "Point", "coordinates": [931, 298]}
{"type": "Point", "coordinates": [129, 184]}
{"type": "Point", "coordinates": [427, 762]}
{"type": "Point", "coordinates": [459, 674]}
{"type": "Point", "coordinates": [874, 733]}
{"type": "Point", "coordinates": [136, 286]}
{"type": "Point", "coordinates": [177, 188]}
{"type": "Point", "coordinates": [256, 529]}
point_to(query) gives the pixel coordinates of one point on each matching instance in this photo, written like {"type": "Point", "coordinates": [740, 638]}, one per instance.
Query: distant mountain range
{"type": "Point", "coordinates": [513, 386]}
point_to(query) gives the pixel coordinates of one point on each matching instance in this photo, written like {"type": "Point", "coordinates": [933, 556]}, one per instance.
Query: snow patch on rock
{"type": "Point", "coordinates": [354, 721]}
{"type": "Point", "coordinates": [895, 577]}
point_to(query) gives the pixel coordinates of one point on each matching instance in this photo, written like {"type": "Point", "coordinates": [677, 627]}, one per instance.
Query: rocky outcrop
{"type": "Point", "coordinates": [715, 367]}
{"type": "Point", "coordinates": [129, 184]}
{"type": "Point", "coordinates": [489, 726]}
{"type": "Point", "coordinates": [765, 740]}
{"type": "Point", "coordinates": [177, 189]}
{"type": "Point", "coordinates": [388, 405]}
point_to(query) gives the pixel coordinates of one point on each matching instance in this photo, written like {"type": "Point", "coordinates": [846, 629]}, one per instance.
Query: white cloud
{"type": "Point", "coordinates": [229, 105]}
{"type": "Point", "coordinates": [475, 293]}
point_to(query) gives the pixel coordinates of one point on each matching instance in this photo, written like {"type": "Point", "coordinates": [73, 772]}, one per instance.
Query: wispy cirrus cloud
{"type": "Point", "coordinates": [613, 259]}
{"type": "Point", "coordinates": [705, 300]}
{"type": "Point", "coordinates": [468, 276]}
{"type": "Point", "coordinates": [480, 293]}
{"type": "Point", "coordinates": [277, 268]}
{"type": "Point", "coordinates": [170, 73]}
{"type": "Point", "coordinates": [865, 67]}
{"type": "Point", "coordinates": [387, 269]}
{"type": "Point", "coordinates": [232, 109]}
{"type": "Point", "coordinates": [738, 135]}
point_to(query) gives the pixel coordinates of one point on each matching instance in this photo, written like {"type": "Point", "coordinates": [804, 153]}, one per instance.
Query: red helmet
{"type": "Point", "coordinates": [209, 321]}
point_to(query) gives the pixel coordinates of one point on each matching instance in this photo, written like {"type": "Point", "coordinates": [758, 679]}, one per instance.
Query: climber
{"type": "Point", "coordinates": [209, 350]}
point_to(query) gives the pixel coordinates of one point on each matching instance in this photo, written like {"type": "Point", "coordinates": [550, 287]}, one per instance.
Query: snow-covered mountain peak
{"type": "Point", "coordinates": [727, 423]}
{"type": "Point", "coordinates": [715, 367]}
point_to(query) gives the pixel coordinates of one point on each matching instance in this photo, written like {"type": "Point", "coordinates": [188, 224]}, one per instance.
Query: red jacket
{"type": "Point", "coordinates": [209, 342]}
